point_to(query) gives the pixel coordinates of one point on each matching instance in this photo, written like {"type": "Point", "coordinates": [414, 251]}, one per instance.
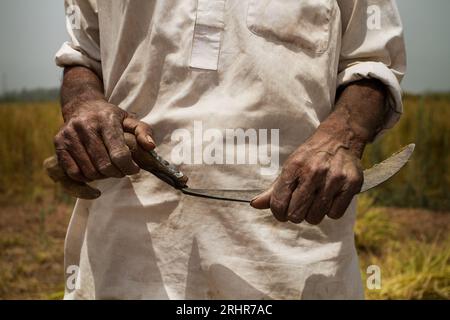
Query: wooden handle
{"type": "Point", "coordinates": [149, 161]}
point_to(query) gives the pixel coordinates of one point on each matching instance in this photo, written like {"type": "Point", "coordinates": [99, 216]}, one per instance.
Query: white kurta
{"type": "Point", "coordinates": [261, 64]}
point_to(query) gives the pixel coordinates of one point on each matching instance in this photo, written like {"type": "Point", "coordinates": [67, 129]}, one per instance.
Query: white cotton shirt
{"type": "Point", "coordinates": [227, 64]}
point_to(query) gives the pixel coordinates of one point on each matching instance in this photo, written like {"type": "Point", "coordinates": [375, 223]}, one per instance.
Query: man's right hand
{"type": "Point", "coordinates": [91, 146]}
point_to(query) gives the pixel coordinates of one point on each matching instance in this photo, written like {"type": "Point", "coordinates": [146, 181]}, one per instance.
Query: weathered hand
{"type": "Point", "coordinates": [91, 145]}
{"type": "Point", "coordinates": [320, 178]}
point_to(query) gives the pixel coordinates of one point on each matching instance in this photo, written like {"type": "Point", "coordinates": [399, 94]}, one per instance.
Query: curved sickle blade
{"type": "Point", "coordinates": [373, 177]}
{"type": "Point", "coordinates": [386, 169]}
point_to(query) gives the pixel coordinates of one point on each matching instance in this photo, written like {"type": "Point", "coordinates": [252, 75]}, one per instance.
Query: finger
{"type": "Point", "coordinates": [69, 165]}
{"type": "Point", "coordinates": [99, 154]}
{"type": "Point", "coordinates": [262, 201]}
{"type": "Point", "coordinates": [142, 132]}
{"type": "Point", "coordinates": [341, 202]}
{"type": "Point", "coordinates": [280, 198]}
{"type": "Point", "coordinates": [324, 200]}
{"type": "Point", "coordinates": [79, 154]}
{"type": "Point", "coordinates": [313, 180]}
{"type": "Point", "coordinates": [119, 153]}
{"type": "Point", "coordinates": [300, 203]}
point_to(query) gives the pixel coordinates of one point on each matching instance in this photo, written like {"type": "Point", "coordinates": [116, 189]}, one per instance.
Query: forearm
{"type": "Point", "coordinates": [359, 115]}
{"type": "Point", "coordinates": [80, 84]}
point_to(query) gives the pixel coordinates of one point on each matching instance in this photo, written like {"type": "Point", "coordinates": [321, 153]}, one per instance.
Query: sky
{"type": "Point", "coordinates": [32, 31]}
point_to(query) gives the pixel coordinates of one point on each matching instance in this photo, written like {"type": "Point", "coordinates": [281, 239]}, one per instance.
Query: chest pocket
{"type": "Point", "coordinates": [302, 23]}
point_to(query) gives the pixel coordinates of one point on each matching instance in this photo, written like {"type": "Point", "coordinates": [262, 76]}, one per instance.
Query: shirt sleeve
{"type": "Point", "coordinates": [83, 47]}
{"type": "Point", "coordinates": [373, 47]}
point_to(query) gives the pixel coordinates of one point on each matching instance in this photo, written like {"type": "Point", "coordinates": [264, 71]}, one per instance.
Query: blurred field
{"type": "Point", "coordinates": [26, 139]}
{"type": "Point", "coordinates": [411, 246]}
{"type": "Point", "coordinates": [425, 182]}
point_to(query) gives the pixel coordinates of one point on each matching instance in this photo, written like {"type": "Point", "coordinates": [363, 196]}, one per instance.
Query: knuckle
{"type": "Point", "coordinates": [279, 217]}
{"type": "Point", "coordinates": [309, 169]}
{"type": "Point", "coordinates": [337, 176]}
{"type": "Point", "coordinates": [121, 156]}
{"type": "Point", "coordinates": [68, 132]}
{"type": "Point", "coordinates": [296, 218]}
{"type": "Point", "coordinates": [123, 160]}
{"type": "Point", "coordinates": [112, 115]}
{"type": "Point", "coordinates": [309, 219]}
{"type": "Point", "coordinates": [58, 140]}
{"type": "Point", "coordinates": [104, 166]}
{"type": "Point", "coordinates": [336, 214]}
{"type": "Point", "coordinates": [319, 169]}
{"type": "Point", "coordinates": [295, 162]}
{"type": "Point", "coordinates": [83, 123]}
{"type": "Point", "coordinates": [355, 181]}
{"type": "Point", "coordinates": [91, 127]}
{"type": "Point", "coordinates": [278, 210]}
{"type": "Point", "coordinates": [134, 170]}
{"type": "Point", "coordinates": [106, 115]}
{"type": "Point", "coordinates": [313, 219]}
{"type": "Point", "coordinates": [276, 207]}
{"type": "Point", "coordinates": [75, 123]}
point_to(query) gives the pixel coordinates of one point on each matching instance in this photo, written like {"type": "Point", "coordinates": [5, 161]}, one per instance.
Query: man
{"type": "Point", "coordinates": [324, 72]}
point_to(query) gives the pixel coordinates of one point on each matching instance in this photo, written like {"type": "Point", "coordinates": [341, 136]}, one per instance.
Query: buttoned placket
{"type": "Point", "coordinates": [209, 25]}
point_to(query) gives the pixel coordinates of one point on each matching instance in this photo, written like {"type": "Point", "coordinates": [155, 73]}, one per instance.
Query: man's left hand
{"type": "Point", "coordinates": [320, 178]}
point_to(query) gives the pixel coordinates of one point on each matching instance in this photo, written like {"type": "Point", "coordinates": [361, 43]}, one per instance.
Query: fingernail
{"type": "Point", "coordinates": [150, 140]}
{"type": "Point", "coordinates": [254, 199]}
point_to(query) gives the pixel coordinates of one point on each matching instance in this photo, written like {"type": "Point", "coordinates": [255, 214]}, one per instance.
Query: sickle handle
{"type": "Point", "coordinates": [149, 161]}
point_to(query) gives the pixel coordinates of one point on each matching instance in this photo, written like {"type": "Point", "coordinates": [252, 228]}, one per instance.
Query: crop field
{"type": "Point", "coordinates": [403, 227]}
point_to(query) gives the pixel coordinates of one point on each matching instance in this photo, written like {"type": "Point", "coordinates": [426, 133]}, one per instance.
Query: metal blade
{"type": "Point", "coordinates": [386, 169]}
{"type": "Point", "coordinates": [224, 194]}
{"type": "Point", "coordinates": [373, 177]}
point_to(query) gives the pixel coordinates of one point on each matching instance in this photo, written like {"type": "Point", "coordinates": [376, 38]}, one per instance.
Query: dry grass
{"type": "Point", "coordinates": [26, 139]}
{"type": "Point", "coordinates": [411, 247]}
{"type": "Point", "coordinates": [31, 250]}
{"type": "Point", "coordinates": [27, 130]}
{"type": "Point", "coordinates": [425, 182]}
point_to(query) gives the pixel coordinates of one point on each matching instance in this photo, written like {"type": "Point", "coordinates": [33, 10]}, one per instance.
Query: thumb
{"type": "Point", "coordinates": [142, 132]}
{"type": "Point", "coordinates": [262, 201]}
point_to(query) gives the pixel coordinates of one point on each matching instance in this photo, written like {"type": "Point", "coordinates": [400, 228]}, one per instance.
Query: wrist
{"type": "Point", "coordinates": [82, 103]}
{"type": "Point", "coordinates": [349, 135]}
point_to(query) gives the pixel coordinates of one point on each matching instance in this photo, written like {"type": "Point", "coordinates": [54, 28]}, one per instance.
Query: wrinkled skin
{"type": "Point", "coordinates": [319, 179]}
{"type": "Point", "coordinates": [322, 176]}
{"type": "Point", "coordinates": [90, 145]}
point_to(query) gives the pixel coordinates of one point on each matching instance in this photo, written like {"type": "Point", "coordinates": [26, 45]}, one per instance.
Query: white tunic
{"type": "Point", "coordinates": [223, 64]}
